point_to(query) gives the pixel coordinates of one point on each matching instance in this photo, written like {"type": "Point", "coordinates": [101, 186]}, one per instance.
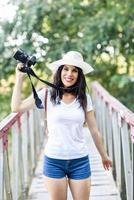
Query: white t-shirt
{"type": "Point", "coordinates": [66, 138]}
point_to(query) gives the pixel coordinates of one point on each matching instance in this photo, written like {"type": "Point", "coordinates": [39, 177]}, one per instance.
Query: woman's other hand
{"type": "Point", "coordinates": [107, 163]}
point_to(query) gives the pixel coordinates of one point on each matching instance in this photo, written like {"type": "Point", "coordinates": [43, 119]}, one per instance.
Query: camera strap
{"type": "Point", "coordinates": [29, 71]}
{"type": "Point", "coordinates": [38, 101]}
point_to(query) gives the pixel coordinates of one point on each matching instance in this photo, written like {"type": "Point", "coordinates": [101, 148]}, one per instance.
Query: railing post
{"type": "Point", "coordinates": [109, 130]}
{"type": "Point", "coordinates": [36, 134]}
{"type": "Point", "coordinates": [103, 122]}
{"type": "Point", "coordinates": [127, 160]}
{"type": "Point", "coordinates": [7, 176]}
{"type": "Point", "coordinates": [15, 162]}
{"type": "Point", "coordinates": [1, 170]}
{"type": "Point", "coordinates": [117, 147]}
{"type": "Point", "coordinates": [132, 187]}
{"type": "Point", "coordinates": [24, 146]}
{"type": "Point", "coordinates": [32, 139]}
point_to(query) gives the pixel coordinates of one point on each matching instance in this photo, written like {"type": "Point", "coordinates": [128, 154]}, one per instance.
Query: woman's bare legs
{"type": "Point", "coordinates": [80, 189]}
{"type": "Point", "coordinates": [57, 188]}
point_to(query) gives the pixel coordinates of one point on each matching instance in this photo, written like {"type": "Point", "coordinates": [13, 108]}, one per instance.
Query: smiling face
{"type": "Point", "coordinates": [69, 75]}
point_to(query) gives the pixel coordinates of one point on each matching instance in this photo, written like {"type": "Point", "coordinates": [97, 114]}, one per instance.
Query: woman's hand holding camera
{"type": "Point", "coordinates": [19, 74]}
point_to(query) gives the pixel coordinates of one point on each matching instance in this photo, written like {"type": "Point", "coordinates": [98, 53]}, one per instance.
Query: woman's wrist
{"type": "Point", "coordinates": [19, 77]}
{"type": "Point", "coordinates": [104, 157]}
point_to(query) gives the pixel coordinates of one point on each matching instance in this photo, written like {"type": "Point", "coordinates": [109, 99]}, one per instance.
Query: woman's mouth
{"type": "Point", "coordinates": [68, 79]}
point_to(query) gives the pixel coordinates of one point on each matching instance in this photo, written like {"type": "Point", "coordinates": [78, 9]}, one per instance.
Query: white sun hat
{"type": "Point", "coordinates": [71, 58]}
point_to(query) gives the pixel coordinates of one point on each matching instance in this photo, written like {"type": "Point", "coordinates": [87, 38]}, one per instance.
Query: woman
{"type": "Point", "coordinates": [66, 160]}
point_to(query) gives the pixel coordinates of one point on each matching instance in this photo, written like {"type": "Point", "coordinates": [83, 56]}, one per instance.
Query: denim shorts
{"type": "Point", "coordinates": [78, 168]}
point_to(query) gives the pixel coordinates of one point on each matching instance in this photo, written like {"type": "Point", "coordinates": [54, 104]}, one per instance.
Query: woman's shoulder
{"type": "Point", "coordinates": [89, 102]}
{"type": "Point", "coordinates": [42, 91]}
{"type": "Point", "coordinates": [88, 95]}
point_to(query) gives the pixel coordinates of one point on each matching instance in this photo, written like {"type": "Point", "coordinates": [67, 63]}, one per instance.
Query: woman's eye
{"type": "Point", "coordinates": [75, 70]}
{"type": "Point", "coordinates": [65, 68]}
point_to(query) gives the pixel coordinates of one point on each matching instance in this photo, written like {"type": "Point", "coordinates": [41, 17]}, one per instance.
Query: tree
{"type": "Point", "coordinates": [101, 30]}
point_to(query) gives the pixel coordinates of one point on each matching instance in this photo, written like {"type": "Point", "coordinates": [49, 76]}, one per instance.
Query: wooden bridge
{"type": "Point", "coordinates": [22, 139]}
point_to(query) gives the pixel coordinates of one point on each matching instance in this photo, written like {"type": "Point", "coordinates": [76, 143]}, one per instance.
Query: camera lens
{"type": "Point", "coordinates": [21, 56]}
{"type": "Point", "coordinates": [32, 60]}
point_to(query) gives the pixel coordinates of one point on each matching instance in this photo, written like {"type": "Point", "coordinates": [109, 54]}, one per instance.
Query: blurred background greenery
{"type": "Point", "coordinates": [103, 31]}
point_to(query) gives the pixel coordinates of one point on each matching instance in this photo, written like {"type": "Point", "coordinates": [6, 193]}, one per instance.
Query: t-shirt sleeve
{"type": "Point", "coordinates": [41, 94]}
{"type": "Point", "coordinates": [89, 103]}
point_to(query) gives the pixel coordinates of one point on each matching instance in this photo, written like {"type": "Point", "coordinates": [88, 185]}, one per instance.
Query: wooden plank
{"type": "Point", "coordinates": [102, 190]}
{"type": "Point", "coordinates": [106, 197]}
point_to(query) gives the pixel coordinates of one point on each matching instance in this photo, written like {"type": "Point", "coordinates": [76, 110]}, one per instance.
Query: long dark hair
{"type": "Point", "coordinates": [78, 89]}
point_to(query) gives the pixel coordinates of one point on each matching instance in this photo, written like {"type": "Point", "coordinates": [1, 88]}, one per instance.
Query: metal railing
{"type": "Point", "coordinates": [116, 123]}
{"type": "Point", "coordinates": [21, 139]}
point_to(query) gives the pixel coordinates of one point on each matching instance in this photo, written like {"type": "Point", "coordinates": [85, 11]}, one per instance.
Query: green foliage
{"type": "Point", "coordinates": [122, 87]}
{"type": "Point", "coordinates": [101, 30]}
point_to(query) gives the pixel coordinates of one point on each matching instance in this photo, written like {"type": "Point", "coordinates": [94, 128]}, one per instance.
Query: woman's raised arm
{"type": "Point", "coordinates": [17, 104]}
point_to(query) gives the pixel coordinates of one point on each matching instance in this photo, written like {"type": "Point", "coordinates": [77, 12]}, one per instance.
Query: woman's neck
{"type": "Point", "coordinates": [68, 97]}
{"type": "Point", "coordinates": [67, 94]}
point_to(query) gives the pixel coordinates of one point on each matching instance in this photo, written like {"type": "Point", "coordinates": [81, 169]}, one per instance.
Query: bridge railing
{"type": "Point", "coordinates": [21, 139]}
{"type": "Point", "coordinates": [116, 123]}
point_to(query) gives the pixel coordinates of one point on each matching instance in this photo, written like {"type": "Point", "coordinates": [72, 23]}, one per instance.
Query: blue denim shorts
{"type": "Point", "coordinates": [73, 169]}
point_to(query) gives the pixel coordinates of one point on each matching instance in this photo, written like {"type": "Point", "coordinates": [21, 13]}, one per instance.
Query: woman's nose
{"type": "Point", "coordinates": [69, 72]}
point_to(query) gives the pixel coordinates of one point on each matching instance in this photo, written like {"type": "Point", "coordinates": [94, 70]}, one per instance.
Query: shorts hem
{"type": "Point", "coordinates": [66, 176]}
{"type": "Point", "coordinates": [79, 178]}
{"type": "Point", "coordinates": [56, 177]}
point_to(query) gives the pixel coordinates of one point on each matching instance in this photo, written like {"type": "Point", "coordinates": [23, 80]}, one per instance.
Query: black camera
{"type": "Point", "coordinates": [23, 57]}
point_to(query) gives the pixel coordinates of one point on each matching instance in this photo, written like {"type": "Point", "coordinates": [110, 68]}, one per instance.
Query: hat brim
{"type": "Point", "coordinates": [83, 65]}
